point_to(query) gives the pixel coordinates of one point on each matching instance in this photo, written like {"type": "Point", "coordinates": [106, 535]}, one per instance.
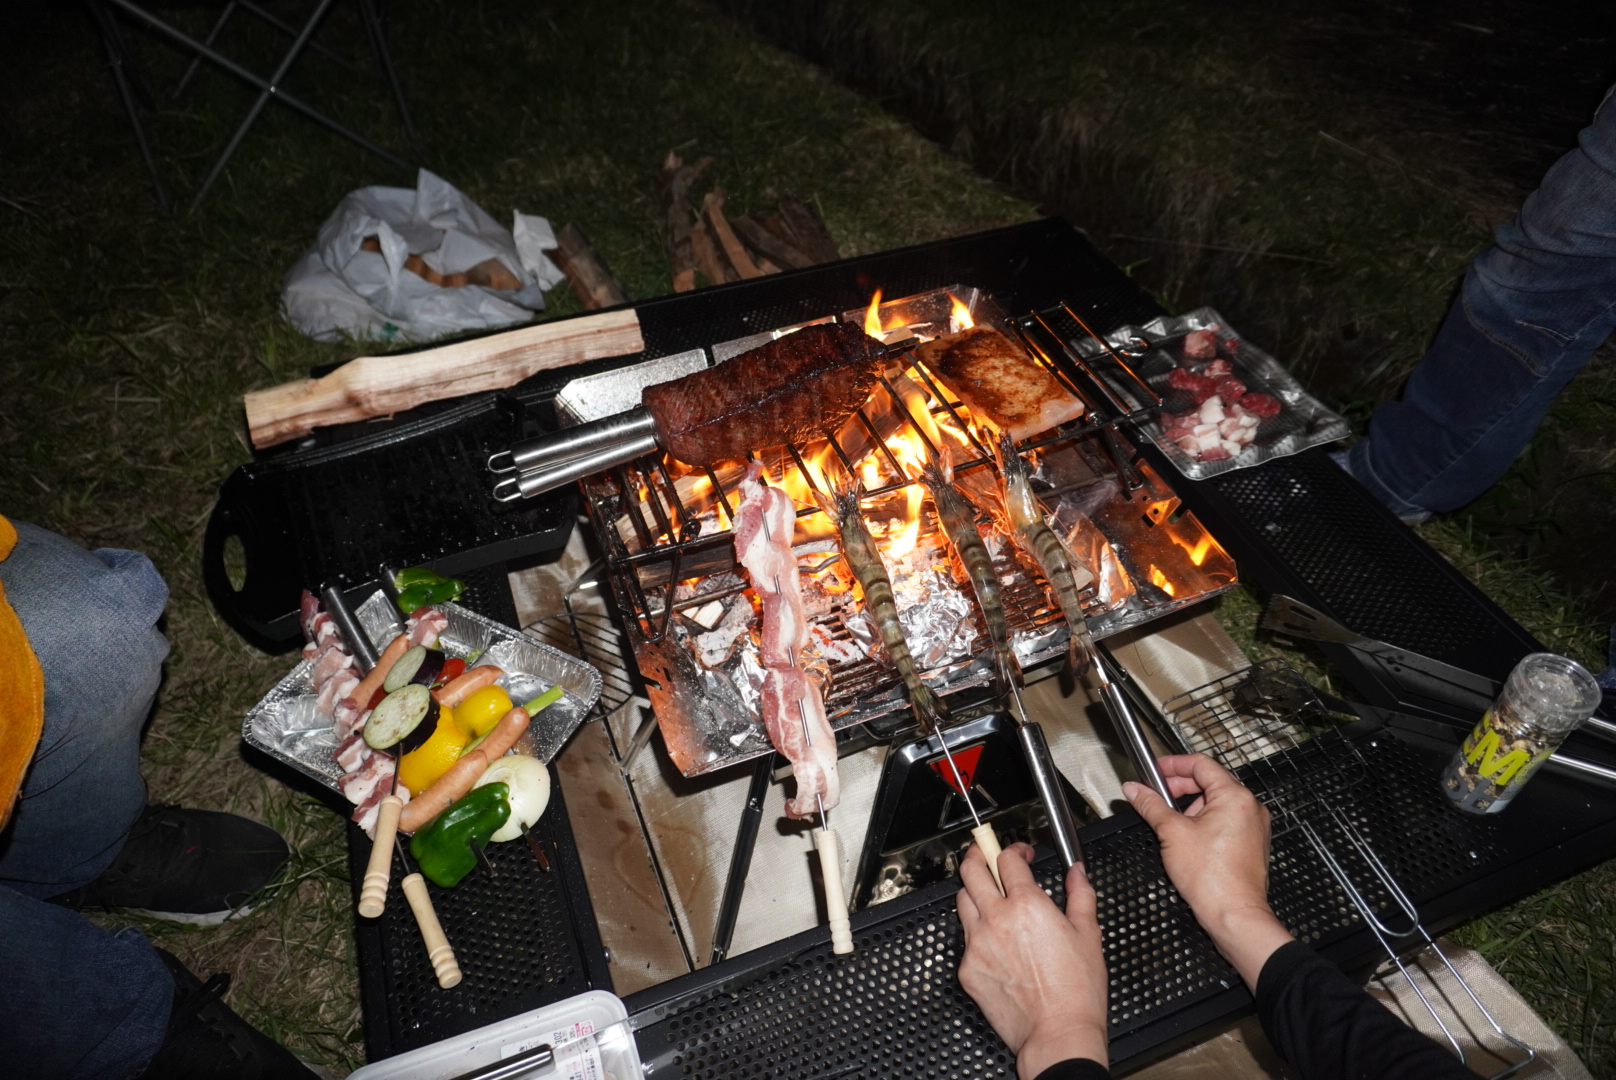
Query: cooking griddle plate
{"type": "Point", "coordinates": [410, 494]}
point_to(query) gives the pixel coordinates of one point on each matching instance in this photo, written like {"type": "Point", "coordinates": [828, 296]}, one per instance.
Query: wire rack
{"type": "Point", "coordinates": [1267, 725]}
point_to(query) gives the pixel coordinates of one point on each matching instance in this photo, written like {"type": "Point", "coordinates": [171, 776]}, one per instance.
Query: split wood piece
{"type": "Point", "coordinates": [770, 244]}
{"type": "Point", "coordinates": [808, 229]}
{"type": "Point", "coordinates": [490, 273]}
{"type": "Point", "coordinates": [734, 250]}
{"type": "Point", "coordinates": [373, 893]}
{"type": "Point", "coordinates": [586, 272]}
{"type": "Point", "coordinates": [379, 385]}
{"type": "Point", "coordinates": [438, 949]}
{"type": "Point", "coordinates": [674, 185]}
{"type": "Point", "coordinates": [713, 265]}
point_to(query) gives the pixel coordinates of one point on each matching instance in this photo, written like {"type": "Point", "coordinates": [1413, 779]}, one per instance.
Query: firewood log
{"type": "Point", "coordinates": [674, 186]}
{"type": "Point", "coordinates": [586, 272]}
{"type": "Point", "coordinates": [808, 229]}
{"type": "Point", "coordinates": [769, 245]}
{"type": "Point", "coordinates": [734, 250]}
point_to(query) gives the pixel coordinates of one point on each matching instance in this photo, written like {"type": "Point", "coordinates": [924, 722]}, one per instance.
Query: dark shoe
{"type": "Point", "coordinates": [191, 866]}
{"type": "Point", "coordinates": [206, 1040]}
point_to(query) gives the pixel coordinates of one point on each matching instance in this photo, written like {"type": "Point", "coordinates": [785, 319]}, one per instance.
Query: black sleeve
{"type": "Point", "coordinates": [1076, 1069]}
{"type": "Point", "coordinates": [1329, 1028]}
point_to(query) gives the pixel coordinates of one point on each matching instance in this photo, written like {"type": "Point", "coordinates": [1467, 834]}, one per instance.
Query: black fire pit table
{"type": "Point", "coordinates": [1297, 525]}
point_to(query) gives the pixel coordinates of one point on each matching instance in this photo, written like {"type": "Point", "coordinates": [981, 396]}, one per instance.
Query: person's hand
{"type": "Point", "coordinates": [1037, 975]}
{"type": "Point", "coordinates": [1216, 854]}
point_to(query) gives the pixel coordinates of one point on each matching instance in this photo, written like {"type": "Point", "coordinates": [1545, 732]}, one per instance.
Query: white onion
{"type": "Point", "coordinates": [529, 782]}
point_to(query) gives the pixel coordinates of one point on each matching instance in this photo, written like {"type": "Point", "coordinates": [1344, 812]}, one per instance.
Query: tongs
{"type": "Point", "coordinates": [1426, 675]}
{"type": "Point", "coordinates": [550, 461]}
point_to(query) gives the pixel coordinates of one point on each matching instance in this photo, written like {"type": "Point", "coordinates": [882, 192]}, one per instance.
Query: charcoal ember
{"type": "Point", "coordinates": [1260, 404]}
{"type": "Point", "coordinates": [1200, 345]}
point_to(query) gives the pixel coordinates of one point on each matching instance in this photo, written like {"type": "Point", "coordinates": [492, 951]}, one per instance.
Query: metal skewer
{"type": "Point", "coordinates": [983, 834]}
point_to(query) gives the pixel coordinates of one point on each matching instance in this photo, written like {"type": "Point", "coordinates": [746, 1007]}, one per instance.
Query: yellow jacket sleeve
{"type": "Point", "coordinates": [22, 691]}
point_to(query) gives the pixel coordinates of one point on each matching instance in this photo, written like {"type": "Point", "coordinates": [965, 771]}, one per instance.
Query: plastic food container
{"type": "Point", "coordinates": [1545, 698]}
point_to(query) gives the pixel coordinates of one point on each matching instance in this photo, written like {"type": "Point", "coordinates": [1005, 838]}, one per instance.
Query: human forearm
{"type": "Point", "coordinates": [1062, 1043]}
{"type": "Point", "coordinates": [1247, 937]}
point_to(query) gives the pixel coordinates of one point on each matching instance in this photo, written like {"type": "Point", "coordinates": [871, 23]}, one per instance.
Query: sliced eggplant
{"type": "Point", "coordinates": [418, 665]}
{"type": "Point", "coordinates": [405, 718]}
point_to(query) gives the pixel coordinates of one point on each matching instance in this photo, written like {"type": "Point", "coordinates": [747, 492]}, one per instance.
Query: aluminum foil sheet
{"type": "Point", "coordinates": [285, 725]}
{"type": "Point", "coordinates": [1154, 349]}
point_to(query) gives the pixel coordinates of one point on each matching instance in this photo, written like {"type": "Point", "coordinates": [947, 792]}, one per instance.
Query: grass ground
{"type": "Point", "coordinates": [126, 339]}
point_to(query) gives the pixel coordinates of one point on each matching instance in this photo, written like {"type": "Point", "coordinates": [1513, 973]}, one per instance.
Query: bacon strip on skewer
{"type": "Point", "coordinates": [793, 710]}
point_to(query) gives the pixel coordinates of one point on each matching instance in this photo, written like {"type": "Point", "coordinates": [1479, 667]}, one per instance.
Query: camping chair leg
{"type": "Point", "coordinates": [263, 99]}
{"type": "Point", "coordinates": [291, 31]}
{"type": "Point", "coordinates": [378, 43]}
{"type": "Point", "coordinates": [190, 69]}
{"type": "Point", "coordinates": [267, 88]}
{"type": "Point", "coordinates": [116, 58]}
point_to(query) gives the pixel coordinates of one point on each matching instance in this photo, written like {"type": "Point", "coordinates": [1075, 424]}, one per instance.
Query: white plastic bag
{"type": "Point", "coordinates": [337, 287]}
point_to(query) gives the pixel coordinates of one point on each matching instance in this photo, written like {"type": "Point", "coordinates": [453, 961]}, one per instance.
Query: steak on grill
{"type": "Point", "coordinates": [790, 390]}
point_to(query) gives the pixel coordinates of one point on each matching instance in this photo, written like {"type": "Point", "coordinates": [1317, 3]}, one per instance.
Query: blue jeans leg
{"type": "Point", "coordinates": [92, 621]}
{"type": "Point", "coordinates": [1534, 307]}
{"type": "Point", "coordinates": [77, 1002]}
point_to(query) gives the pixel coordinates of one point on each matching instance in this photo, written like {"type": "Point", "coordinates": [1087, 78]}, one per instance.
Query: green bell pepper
{"type": "Point", "coordinates": [446, 590]}
{"type": "Point", "coordinates": [444, 849]}
{"type": "Point", "coordinates": [415, 575]}
{"type": "Point", "coordinates": [418, 595]}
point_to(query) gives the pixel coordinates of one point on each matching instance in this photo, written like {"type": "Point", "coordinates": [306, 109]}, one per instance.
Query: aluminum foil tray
{"type": "Point", "coordinates": [1156, 348]}
{"type": "Point", "coordinates": [285, 725]}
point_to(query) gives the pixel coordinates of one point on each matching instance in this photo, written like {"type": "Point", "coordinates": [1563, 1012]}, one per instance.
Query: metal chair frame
{"type": "Point", "coordinates": [134, 95]}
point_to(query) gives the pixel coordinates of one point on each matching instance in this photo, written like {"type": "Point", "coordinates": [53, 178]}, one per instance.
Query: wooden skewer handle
{"type": "Point", "coordinates": [988, 840]}
{"type": "Point", "coordinates": [373, 890]}
{"type": "Point", "coordinates": [830, 866]}
{"type": "Point", "coordinates": [438, 950]}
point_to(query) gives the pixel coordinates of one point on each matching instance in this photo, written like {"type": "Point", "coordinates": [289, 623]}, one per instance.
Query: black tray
{"type": "Point", "coordinates": [412, 494]}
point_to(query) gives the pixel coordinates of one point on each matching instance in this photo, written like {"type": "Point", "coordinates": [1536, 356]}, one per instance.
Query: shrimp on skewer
{"type": "Point", "coordinates": [1040, 543]}
{"type": "Point", "coordinates": [958, 519]}
{"type": "Point", "coordinates": [858, 547]}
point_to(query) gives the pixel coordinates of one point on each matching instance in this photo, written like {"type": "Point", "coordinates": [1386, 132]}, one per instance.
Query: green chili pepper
{"type": "Point", "coordinates": [415, 575]}
{"type": "Point", "coordinates": [444, 849]}
{"type": "Point", "coordinates": [446, 590]}
{"type": "Point", "coordinates": [413, 597]}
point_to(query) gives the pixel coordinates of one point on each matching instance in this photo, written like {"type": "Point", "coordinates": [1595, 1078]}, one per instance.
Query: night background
{"type": "Point", "coordinates": [1321, 173]}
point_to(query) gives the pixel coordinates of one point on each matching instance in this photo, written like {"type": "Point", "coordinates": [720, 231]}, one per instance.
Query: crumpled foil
{"type": "Point", "coordinates": [285, 725]}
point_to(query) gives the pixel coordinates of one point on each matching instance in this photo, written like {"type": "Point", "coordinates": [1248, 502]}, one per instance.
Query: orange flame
{"type": "Point", "coordinates": [872, 317]}
{"type": "Point", "coordinates": [960, 314]}
{"type": "Point", "coordinates": [1159, 579]}
{"type": "Point", "coordinates": [1201, 549]}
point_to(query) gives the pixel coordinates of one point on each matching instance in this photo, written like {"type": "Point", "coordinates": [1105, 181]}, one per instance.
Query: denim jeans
{"type": "Point", "coordinates": [1533, 308]}
{"type": "Point", "coordinates": [75, 1000]}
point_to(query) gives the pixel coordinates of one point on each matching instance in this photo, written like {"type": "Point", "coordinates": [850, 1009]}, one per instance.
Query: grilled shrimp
{"type": "Point", "coordinates": [958, 518]}
{"type": "Point", "coordinates": [858, 547]}
{"type": "Point", "coordinates": [1045, 549]}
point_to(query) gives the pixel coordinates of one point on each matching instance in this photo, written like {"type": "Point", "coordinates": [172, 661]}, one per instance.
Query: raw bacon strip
{"type": "Point", "coordinates": [763, 528]}
{"type": "Point", "coordinates": [1200, 345]}
{"type": "Point", "coordinates": [424, 626]}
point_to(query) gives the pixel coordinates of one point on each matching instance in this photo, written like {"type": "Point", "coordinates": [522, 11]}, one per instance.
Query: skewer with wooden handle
{"type": "Point", "coordinates": [373, 891]}
{"type": "Point", "coordinates": [983, 834]}
{"type": "Point", "coordinates": [826, 842]}
{"type": "Point", "coordinates": [438, 949]}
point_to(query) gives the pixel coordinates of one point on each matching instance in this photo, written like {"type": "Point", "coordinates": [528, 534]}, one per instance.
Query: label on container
{"type": "Point", "coordinates": [1493, 764]}
{"type": "Point", "coordinates": [576, 1056]}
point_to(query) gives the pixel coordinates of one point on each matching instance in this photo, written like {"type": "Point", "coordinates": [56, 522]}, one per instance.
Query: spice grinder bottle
{"type": "Point", "coordinates": [1545, 698]}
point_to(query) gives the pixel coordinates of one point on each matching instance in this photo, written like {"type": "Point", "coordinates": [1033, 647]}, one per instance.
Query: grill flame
{"type": "Point", "coordinates": [960, 315]}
